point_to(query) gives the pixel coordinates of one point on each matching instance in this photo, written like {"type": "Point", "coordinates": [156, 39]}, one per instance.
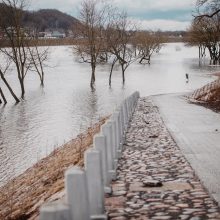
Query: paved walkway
{"type": "Point", "coordinates": [154, 180]}
{"type": "Point", "coordinates": [196, 130]}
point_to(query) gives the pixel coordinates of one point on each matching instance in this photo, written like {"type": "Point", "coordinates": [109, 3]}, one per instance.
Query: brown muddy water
{"type": "Point", "coordinates": [66, 106]}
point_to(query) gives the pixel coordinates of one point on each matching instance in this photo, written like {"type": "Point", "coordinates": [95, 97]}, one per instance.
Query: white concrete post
{"type": "Point", "coordinates": [95, 182]}
{"type": "Point", "coordinates": [122, 118]}
{"type": "Point", "coordinates": [133, 100]}
{"type": "Point", "coordinates": [107, 132]}
{"type": "Point", "coordinates": [99, 143]}
{"type": "Point", "coordinates": [120, 127]}
{"type": "Point", "coordinates": [129, 107]}
{"type": "Point", "coordinates": [125, 114]}
{"type": "Point", "coordinates": [120, 124]}
{"type": "Point", "coordinates": [115, 153]}
{"type": "Point", "coordinates": [116, 118]}
{"type": "Point", "coordinates": [77, 193]}
{"type": "Point", "coordinates": [123, 124]}
{"type": "Point", "coordinates": [55, 211]}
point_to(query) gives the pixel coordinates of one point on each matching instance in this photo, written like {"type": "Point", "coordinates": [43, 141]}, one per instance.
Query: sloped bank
{"type": "Point", "coordinates": [22, 197]}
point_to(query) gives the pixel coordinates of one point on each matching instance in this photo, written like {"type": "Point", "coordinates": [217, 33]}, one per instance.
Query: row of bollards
{"type": "Point", "coordinates": [85, 188]}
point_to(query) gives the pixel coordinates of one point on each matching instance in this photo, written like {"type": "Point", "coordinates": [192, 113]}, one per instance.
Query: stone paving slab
{"type": "Point", "coordinates": [151, 157]}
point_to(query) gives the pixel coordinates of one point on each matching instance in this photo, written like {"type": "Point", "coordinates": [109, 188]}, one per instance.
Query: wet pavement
{"type": "Point", "coordinates": [196, 130]}
{"type": "Point", "coordinates": [154, 180]}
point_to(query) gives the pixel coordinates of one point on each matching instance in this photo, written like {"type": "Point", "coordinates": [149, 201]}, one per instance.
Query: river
{"type": "Point", "coordinates": [66, 106]}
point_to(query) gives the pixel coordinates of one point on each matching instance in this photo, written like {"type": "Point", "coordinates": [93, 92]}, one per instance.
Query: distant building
{"type": "Point", "coordinates": [58, 34]}
{"type": "Point", "coordinates": [52, 34]}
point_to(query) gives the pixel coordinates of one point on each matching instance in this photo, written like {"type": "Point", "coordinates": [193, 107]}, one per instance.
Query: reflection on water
{"type": "Point", "coordinates": [66, 106]}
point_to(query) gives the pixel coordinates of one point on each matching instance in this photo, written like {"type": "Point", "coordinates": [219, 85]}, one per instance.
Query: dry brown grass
{"type": "Point", "coordinates": [22, 197]}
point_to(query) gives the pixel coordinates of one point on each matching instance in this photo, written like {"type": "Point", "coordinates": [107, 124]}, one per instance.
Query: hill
{"type": "Point", "coordinates": [49, 19]}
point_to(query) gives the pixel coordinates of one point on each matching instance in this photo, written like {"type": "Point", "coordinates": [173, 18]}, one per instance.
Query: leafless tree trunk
{"type": "Point", "coordinates": [3, 97]}
{"type": "Point", "coordinates": [3, 71]}
{"type": "Point", "coordinates": [112, 66]}
{"type": "Point", "coordinates": [9, 87]}
{"type": "Point", "coordinates": [38, 57]}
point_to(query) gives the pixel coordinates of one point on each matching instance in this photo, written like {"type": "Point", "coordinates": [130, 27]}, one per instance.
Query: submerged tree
{"type": "Point", "coordinates": [205, 33]}
{"type": "Point", "coordinates": [11, 23]}
{"type": "Point", "coordinates": [38, 58]}
{"type": "Point", "coordinates": [118, 36]}
{"type": "Point", "coordinates": [22, 49]}
{"type": "Point", "coordinates": [89, 32]}
{"type": "Point", "coordinates": [148, 43]}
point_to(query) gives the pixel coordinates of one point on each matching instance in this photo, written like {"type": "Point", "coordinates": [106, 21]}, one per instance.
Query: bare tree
{"type": "Point", "coordinates": [205, 33]}
{"type": "Point", "coordinates": [11, 24]}
{"type": "Point", "coordinates": [89, 31]}
{"type": "Point", "coordinates": [118, 36]}
{"type": "Point", "coordinates": [196, 38]}
{"type": "Point", "coordinates": [22, 49]}
{"type": "Point", "coordinates": [38, 59]}
{"type": "Point", "coordinates": [148, 43]}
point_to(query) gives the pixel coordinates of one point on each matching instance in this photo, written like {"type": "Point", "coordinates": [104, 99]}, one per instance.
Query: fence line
{"type": "Point", "coordinates": [85, 188]}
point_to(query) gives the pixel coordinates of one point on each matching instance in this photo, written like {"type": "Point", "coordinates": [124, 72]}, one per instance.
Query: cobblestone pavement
{"type": "Point", "coordinates": [154, 180]}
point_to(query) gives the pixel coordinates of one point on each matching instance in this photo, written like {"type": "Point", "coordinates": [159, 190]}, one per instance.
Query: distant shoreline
{"type": "Point", "coordinates": [72, 41]}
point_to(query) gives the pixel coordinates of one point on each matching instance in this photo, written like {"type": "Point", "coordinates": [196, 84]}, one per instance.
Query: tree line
{"type": "Point", "coordinates": [205, 30]}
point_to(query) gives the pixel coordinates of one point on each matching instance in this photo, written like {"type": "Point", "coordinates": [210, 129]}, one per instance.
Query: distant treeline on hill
{"type": "Point", "coordinates": [45, 19]}
{"type": "Point", "coordinates": [49, 19]}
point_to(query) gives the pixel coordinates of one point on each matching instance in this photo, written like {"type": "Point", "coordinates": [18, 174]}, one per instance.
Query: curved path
{"type": "Point", "coordinates": [196, 130]}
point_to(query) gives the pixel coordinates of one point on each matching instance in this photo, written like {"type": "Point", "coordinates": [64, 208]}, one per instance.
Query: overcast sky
{"type": "Point", "coordinates": [150, 14]}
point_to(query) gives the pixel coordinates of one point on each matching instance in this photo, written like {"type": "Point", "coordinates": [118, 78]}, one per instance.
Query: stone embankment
{"type": "Point", "coordinates": [154, 180]}
{"type": "Point", "coordinates": [207, 93]}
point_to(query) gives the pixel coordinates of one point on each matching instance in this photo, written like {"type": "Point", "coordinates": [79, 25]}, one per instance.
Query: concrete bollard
{"type": "Point", "coordinates": [115, 153]}
{"type": "Point", "coordinates": [133, 101]}
{"type": "Point", "coordinates": [125, 114]}
{"type": "Point", "coordinates": [122, 119]}
{"type": "Point", "coordinates": [107, 132]}
{"type": "Point", "coordinates": [55, 211]}
{"type": "Point", "coordinates": [120, 124]}
{"type": "Point", "coordinates": [129, 107]}
{"type": "Point", "coordinates": [120, 133]}
{"type": "Point", "coordinates": [77, 193]}
{"type": "Point", "coordinates": [99, 143]}
{"type": "Point", "coordinates": [95, 183]}
{"type": "Point", "coordinates": [117, 127]}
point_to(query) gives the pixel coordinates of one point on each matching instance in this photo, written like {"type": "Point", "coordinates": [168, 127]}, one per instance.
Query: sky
{"type": "Point", "coordinates": [166, 15]}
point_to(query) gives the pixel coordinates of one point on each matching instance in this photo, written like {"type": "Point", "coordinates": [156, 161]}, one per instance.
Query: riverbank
{"type": "Point", "coordinates": [22, 197]}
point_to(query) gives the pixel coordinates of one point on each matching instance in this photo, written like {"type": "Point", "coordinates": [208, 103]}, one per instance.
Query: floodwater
{"type": "Point", "coordinates": [66, 106]}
